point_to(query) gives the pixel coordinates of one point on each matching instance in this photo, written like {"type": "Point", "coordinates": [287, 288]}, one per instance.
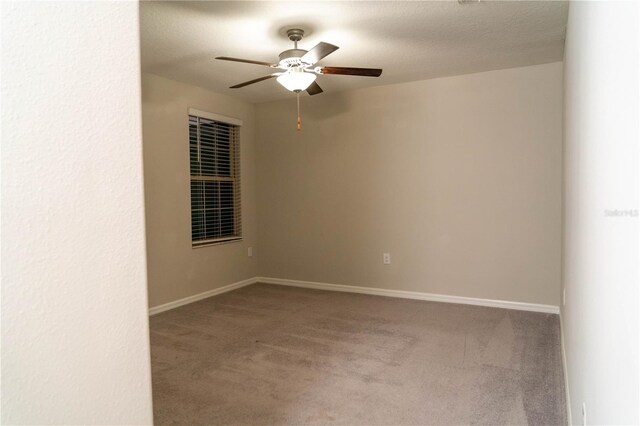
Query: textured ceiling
{"type": "Point", "coordinates": [410, 41]}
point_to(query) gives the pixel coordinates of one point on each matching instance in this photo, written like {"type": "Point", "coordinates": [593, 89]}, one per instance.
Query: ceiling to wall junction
{"type": "Point", "coordinates": [409, 40]}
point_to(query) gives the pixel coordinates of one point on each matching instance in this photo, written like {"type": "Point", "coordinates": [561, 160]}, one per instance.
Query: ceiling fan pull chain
{"type": "Point", "coordinates": [298, 99]}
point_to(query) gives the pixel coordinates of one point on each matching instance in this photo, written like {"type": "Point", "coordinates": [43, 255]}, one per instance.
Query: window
{"type": "Point", "coordinates": [214, 152]}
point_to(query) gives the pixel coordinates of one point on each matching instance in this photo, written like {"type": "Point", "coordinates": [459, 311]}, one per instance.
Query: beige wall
{"type": "Point", "coordinates": [175, 269]}
{"type": "Point", "coordinates": [601, 267]}
{"type": "Point", "coordinates": [75, 335]}
{"type": "Point", "coordinates": [458, 178]}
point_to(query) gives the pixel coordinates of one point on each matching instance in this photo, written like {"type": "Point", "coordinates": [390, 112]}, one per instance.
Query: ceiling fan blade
{"type": "Point", "coordinates": [257, 80]}
{"type": "Point", "coordinates": [246, 61]}
{"type": "Point", "coordinates": [314, 89]}
{"type": "Point", "coordinates": [365, 72]}
{"type": "Point", "coordinates": [318, 52]}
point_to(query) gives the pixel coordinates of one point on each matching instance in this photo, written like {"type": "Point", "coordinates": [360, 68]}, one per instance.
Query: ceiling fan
{"type": "Point", "coordinates": [297, 65]}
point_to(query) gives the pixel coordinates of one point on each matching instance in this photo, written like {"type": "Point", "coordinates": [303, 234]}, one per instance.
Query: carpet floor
{"type": "Point", "coordinates": [272, 355]}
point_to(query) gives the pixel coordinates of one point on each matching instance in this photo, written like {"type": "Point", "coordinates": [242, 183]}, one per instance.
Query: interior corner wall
{"type": "Point", "coordinates": [176, 270]}
{"type": "Point", "coordinates": [458, 178]}
{"type": "Point", "coordinates": [601, 224]}
{"type": "Point", "coordinates": [75, 335]}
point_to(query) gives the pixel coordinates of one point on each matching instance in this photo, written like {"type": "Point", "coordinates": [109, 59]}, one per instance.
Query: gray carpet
{"type": "Point", "coordinates": [268, 354]}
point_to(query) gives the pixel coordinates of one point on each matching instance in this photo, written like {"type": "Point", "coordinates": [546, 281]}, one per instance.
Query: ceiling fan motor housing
{"type": "Point", "coordinates": [291, 58]}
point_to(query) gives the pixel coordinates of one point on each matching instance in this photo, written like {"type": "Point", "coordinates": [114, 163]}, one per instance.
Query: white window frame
{"type": "Point", "coordinates": [237, 179]}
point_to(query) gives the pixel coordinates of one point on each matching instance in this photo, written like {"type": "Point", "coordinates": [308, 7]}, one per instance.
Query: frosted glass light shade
{"type": "Point", "coordinates": [295, 80]}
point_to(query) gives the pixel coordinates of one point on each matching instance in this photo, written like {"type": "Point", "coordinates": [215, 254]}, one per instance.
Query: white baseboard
{"type": "Point", "coordinates": [567, 394]}
{"type": "Point", "coordinates": [432, 297]}
{"type": "Point", "coordinates": [533, 307]}
{"type": "Point", "coordinates": [200, 296]}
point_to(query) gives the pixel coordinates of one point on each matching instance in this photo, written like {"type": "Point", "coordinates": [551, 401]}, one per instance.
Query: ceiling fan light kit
{"type": "Point", "coordinates": [296, 80]}
{"type": "Point", "coordinates": [297, 65]}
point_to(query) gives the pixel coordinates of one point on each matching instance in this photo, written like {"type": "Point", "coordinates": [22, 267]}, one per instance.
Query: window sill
{"type": "Point", "coordinates": [217, 242]}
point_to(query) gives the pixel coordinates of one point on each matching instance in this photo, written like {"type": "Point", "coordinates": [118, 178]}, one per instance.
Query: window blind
{"type": "Point", "coordinates": [214, 154]}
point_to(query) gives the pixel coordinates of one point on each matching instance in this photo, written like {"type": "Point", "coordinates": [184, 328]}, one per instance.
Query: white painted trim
{"type": "Point", "coordinates": [567, 394]}
{"type": "Point", "coordinates": [216, 117]}
{"type": "Point", "coordinates": [533, 307]}
{"type": "Point", "coordinates": [200, 296]}
{"type": "Point", "coordinates": [432, 297]}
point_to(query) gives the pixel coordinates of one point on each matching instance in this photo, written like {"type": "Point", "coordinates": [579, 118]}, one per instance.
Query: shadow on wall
{"type": "Point", "coordinates": [324, 106]}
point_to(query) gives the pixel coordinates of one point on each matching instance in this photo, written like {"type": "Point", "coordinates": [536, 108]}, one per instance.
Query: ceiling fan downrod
{"type": "Point", "coordinates": [298, 96]}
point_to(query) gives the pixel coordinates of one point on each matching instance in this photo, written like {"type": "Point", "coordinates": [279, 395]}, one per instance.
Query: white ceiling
{"type": "Point", "coordinates": [412, 40]}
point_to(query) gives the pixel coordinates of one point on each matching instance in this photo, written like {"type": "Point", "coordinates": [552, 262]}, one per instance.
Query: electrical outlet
{"type": "Point", "coordinates": [564, 293]}
{"type": "Point", "coordinates": [584, 414]}
{"type": "Point", "coordinates": [250, 252]}
{"type": "Point", "coordinates": [386, 258]}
